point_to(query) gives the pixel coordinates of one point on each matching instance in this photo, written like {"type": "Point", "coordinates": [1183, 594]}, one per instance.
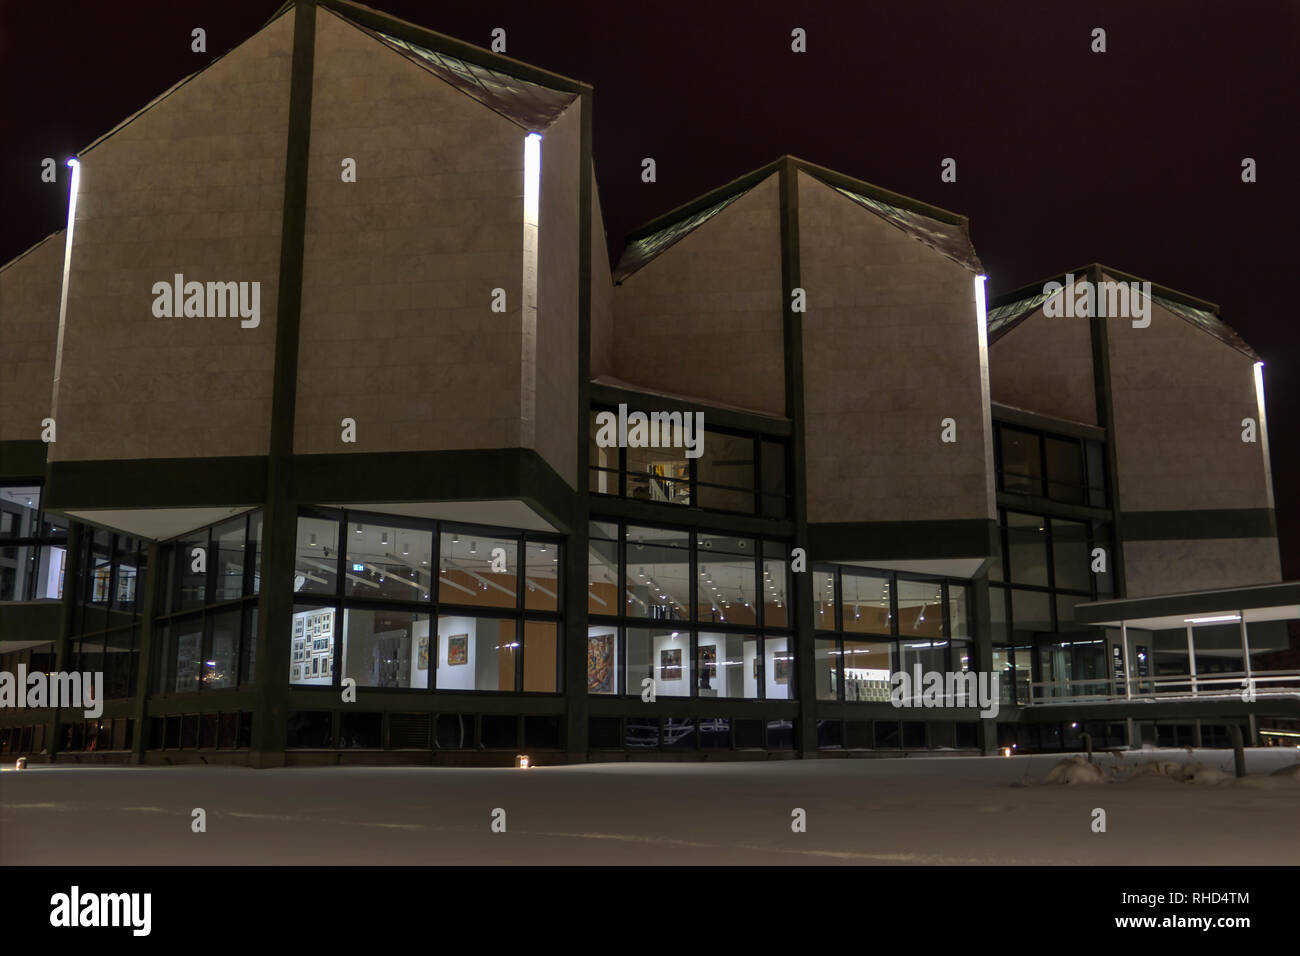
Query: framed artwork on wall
{"type": "Point", "coordinates": [670, 664]}
{"type": "Point", "coordinates": [600, 664]}
{"type": "Point", "coordinates": [458, 649]}
{"type": "Point", "coordinates": [422, 654]}
{"type": "Point", "coordinates": [781, 669]}
{"type": "Point", "coordinates": [708, 664]}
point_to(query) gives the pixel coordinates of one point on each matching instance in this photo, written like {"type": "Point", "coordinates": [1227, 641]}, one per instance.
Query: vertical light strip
{"type": "Point", "coordinates": [528, 318]}
{"type": "Point", "coordinates": [982, 324]}
{"type": "Point", "coordinates": [1263, 431]}
{"type": "Point", "coordinates": [63, 295]}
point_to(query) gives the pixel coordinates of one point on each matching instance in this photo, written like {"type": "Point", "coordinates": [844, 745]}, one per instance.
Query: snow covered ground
{"type": "Point", "coordinates": [958, 810]}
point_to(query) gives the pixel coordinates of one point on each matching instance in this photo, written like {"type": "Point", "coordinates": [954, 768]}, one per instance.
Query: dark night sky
{"type": "Point", "coordinates": [1064, 156]}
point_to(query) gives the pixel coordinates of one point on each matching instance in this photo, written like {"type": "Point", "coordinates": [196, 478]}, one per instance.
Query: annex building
{"type": "Point", "coordinates": [315, 468]}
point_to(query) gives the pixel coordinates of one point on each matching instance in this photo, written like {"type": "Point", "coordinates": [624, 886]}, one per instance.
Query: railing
{"type": "Point", "coordinates": [1240, 685]}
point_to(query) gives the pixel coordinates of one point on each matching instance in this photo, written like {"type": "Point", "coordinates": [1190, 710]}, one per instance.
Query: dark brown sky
{"type": "Point", "coordinates": [1131, 157]}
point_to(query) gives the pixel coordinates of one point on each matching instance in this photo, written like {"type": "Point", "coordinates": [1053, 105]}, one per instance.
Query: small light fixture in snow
{"type": "Point", "coordinates": [523, 762]}
{"type": "Point", "coordinates": [1006, 751]}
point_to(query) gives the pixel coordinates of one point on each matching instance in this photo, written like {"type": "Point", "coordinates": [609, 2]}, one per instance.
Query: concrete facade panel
{"type": "Point", "coordinates": [704, 317]}
{"type": "Point", "coordinates": [1044, 365]}
{"type": "Point", "coordinates": [1172, 567]}
{"type": "Point", "coordinates": [554, 358]}
{"type": "Point", "coordinates": [891, 347]}
{"type": "Point", "coordinates": [1180, 396]}
{"type": "Point", "coordinates": [29, 331]}
{"type": "Point", "coordinates": [193, 185]}
{"type": "Point", "coordinates": [400, 265]}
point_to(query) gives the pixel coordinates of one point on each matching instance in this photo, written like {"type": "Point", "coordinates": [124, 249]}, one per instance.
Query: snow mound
{"type": "Point", "coordinates": [1207, 776]}
{"type": "Point", "coordinates": [1288, 773]}
{"type": "Point", "coordinates": [1076, 770]}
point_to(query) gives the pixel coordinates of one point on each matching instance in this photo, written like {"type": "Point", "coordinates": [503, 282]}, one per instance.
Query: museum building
{"type": "Point", "coordinates": [304, 423]}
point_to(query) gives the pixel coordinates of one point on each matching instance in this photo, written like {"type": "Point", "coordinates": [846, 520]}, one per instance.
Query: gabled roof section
{"type": "Point", "coordinates": [1011, 308]}
{"type": "Point", "coordinates": [946, 232]}
{"type": "Point", "coordinates": [662, 232]}
{"type": "Point", "coordinates": [641, 251]}
{"type": "Point", "coordinates": [530, 106]}
{"type": "Point", "coordinates": [951, 240]}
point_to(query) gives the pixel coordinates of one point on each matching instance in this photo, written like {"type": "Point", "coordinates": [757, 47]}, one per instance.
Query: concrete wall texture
{"type": "Point", "coordinates": [1170, 567]}
{"type": "Point", "coordinates": [704, 317]}
{"type": "Point", "coordinates": [397, 328]}
{"type": "Point", "coordinates": [602, 293]}
{"type": "Point", "coordinates": [1179, 396]}
{"type": "Point", "coordinates": [1045, 365]}
{"type": "Point", "coordinates": [192, 185]}
{"type": "Point", "coordinates": [29, 329]}
{"type": "Point", "coordinates": [890, 348]}
{"type": "Point", "coordinates": [554, 357]}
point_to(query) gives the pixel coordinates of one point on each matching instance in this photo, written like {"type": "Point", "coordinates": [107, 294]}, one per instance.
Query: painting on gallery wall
{"type": "Point", "coordinates": [458, 649]}
{"type": "Point", "coordinates": [670, 664]}
{"type": "Point", "coordinates": [781, 668]}
{"type": "Point", "coordinates": [422, 652]}
{"type": "Point", "coordinates": [600, 664]}
{"type": "Point", "coordinates": [708, 664]}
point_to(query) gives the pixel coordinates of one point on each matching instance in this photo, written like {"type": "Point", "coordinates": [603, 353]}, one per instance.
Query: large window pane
{"type": "Point", "coordinates": [476, 653]}
{"type": "Point", "coordinates": [660, 474]}
{"type": "Point", "coordinates": [602, 568]}
{"type": "Point", "coordinates": [824, 598]}
{"type": "Point", "coordinates": [219, 666]}
{"type": "Point", "coordinates": [1031, 611]}
{"type": "Point", "coordinates": [868, 666]}
{"type": "Point", "coordinates": [603, 462]}
{"type": "Point", "coordinates": [920, 609]}
{"type": "Point", "coordinates": [255, 545]}
{"type": "Point", "coordinates": [316, 567]}
{"type": "Point", "coordinates": [188, 660]}
{"type": "Point", "coordinates": [1022, 469]}
{"type": "Point", "coordinates": [1218, 650]}
{"type": "Point", "coordinates": [958, 614]}
{"type": "Point", "coordinates": [1070, 555]}
{"type": "Point", "coordinates": [19, 510]}
{"type": "Point", "coordinates": [541, 643]}
{"type": "Point", "coordinates": [125, 554]}
{"type": "Point", "coordinates": [1004, 667]}
{"type": "Point", "coordinates": [383, 648]}
{"type": "Point", "coordinates": [726, 472]}
{"type": "Point", "coordinates": [228, 556]}
{"type": "Point", "coordinates": [50, 562]}
{"type": "Point", "coordinates": [388, 561]}
{"type": "Point", "coordinates": [192, 560]}
{"type": "Point", "coordinates": [1065, 476]}
{"type": "Point", "coordinates": [865, 602]}
{"type": "Point", "coordinates": [727, 589]}
{"type": "Point", "coordinates": [826, 657]}
{"type": "Point", "coordinates": [602, 660]}
{"type": "Point", "coordinates": [661, 654]}
{"type": "Point", "coordinates": [542, 583]}
{"type": "Point", "coordinates": [775, 585]}
{"type": "Point", "coordinates": [478, 570]}
{"type": "Point", "coordinates": [311, 646]}
{"type": "Point", "coordinates": [17, 572]}
{"type": "Point", "coordinates": [1027, 546]}
{"type": "Point", "coordinates": [119, 663]}
{"type": "Point", "coordinates": [774, 479]}
{"type": "Point", "coordinates": [778, 668]}
{"type": "Point", "coordinates": [658, 573]}
{"type": "Point", "coordinates": [930, 655]}
{"type": "Point", "coordinates": [728, 665]}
